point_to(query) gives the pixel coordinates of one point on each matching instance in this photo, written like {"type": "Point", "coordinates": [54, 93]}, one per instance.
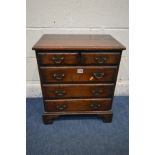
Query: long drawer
{"type": "Point", "coordinates": [78, 74]}
{"type": "Point", "coordinates": [77, 90]}
{"type": "Point", "coordinates": [97, 104]}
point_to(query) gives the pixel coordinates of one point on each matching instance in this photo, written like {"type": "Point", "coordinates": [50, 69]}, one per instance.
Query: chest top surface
{"type": "Point", "coordinates": [77, 42]}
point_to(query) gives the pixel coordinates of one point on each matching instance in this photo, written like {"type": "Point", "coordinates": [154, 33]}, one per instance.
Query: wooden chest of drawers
{"type": "Point", "coordinates": [78, 74]}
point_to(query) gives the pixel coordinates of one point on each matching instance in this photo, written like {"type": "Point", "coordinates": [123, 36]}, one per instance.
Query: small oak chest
{"type": "Point", "coordinates": [78, 74]}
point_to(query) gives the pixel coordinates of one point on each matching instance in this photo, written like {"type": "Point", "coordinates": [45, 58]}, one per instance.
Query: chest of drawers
{"type": "Point", "coordinates": [78, 74]}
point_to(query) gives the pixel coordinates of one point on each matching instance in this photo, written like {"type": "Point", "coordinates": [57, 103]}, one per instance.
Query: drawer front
{"type": "Point", "coordinates": [78, 74]}
{"type": "Point", "coordinates": [101, 58]}
{"type": "Point", "coordinates": [86, 58]}
{"type": "Point", "coordinates": [57, 58]}
{"type": "Point", "coordinates": [78, 105]}
{"type": "Point", "coordinates": [77, 90]}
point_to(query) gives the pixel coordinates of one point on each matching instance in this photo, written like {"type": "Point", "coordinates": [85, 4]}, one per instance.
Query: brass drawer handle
{"type": "Point", "coordinates": [95, 106]}
{"type": "Point", "coordinates": [61, 107]}
{"type": "Point", "coordinates": [97, 92]}
{"type": "Point", "coordinates": [60, 93]}
{"type": "Point", "coordinates": [98, 75]}
{"type": "Point", "coordinates": [100, 60]}
{"type": "Point", "coordinates": [58, 59]}
{"type": "Point", "coordinates": [58, 76]}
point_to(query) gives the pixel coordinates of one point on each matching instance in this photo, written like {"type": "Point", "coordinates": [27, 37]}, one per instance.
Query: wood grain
{"type": "Point", "coordinates": [77, 42]}
{"type": "Point", "coordinates": [79, 58]}
{"type": "Point", "coordinates": [77, 90]}
{"type": "Point", "coordinates": [78, 104]}
{"type": "Point", "coordinates": [47, 58]}
{"type": "Point", "coordinates": [71, 74]}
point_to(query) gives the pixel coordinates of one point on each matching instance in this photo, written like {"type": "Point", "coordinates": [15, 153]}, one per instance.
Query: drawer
{"type": "Point", "coordinates": [88, 58]}
{"type": "Point", "coordinates": [78, 74]}
{"type": "Point", "coordinates": [109, 58]}
{"type": "Point", "coordinates": [77, 90]}
{"type": "Point", "coordinates": [78, 105]}
{"type": "Point", "coordinates": [57, 58]}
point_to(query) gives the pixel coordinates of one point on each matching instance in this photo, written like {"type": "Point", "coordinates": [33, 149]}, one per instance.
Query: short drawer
{"type": "Point", "coordinates": [77, 90]}
{"type": "Point", "coordinates": [109, 58]}
{"type": "Point", "coordinates": [78, 105]}
{"type": "Point", "coordinates": [57, 58]}
{"type": "Point", "coordinates": [78, 74]}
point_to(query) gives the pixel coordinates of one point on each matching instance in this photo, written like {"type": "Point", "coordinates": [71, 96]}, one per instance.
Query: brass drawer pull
{"type": "Point", "coordinates": [61, 107]}
{"type": "Point", "coordinates": [60, 93]}
{"type": "Point", "coordinates": [58, 59]}
{"type": "Point", "coordinates": [97, 92]}
{"type": "Point", "coordinates": [95, 106]}
{"type": "Point", "coordinates": [58, 76]}
{"type": "Point", "coordinates": [98, 75]}
{"type": "Point", "coordinates": [100, 60]}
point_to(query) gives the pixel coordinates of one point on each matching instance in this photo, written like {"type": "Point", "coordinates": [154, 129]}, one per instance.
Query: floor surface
{"type": "Point", "coordinates": [78, 135]}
